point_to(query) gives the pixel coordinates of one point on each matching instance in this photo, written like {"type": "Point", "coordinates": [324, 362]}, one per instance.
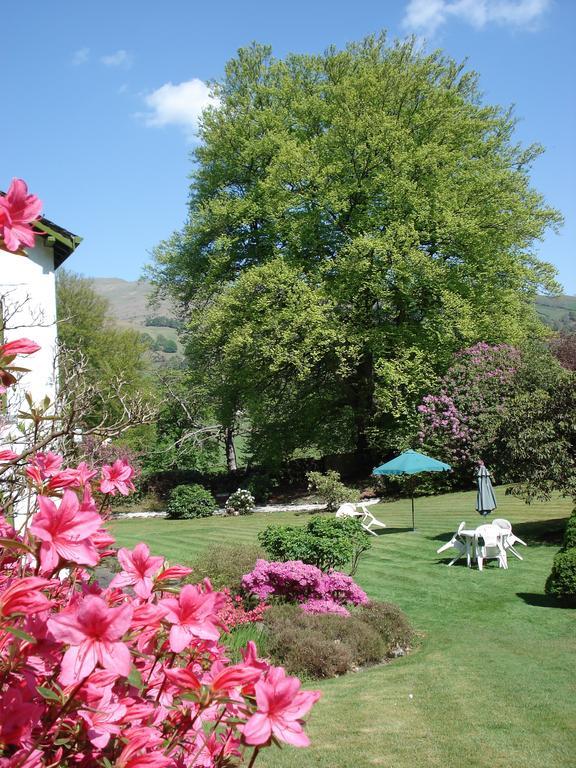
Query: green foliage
{"type": "Point", "coordinates": [562, 580]}
{"type": "Point", "coordinates": [237, 639]}
{"type": "Point", "coordinates": [261, 486]}
{"type": "Point", "coordinates": [326, 542]}
{"type": "Point", "coordinates": [161, 321]}
{"type": "Point", "coordinates": [355, 218]}
{"type": "Point", "coordinates": [331, 489]}
{"type": "Point", "coordinates": [189, 501]}
{"type": "Point", "coordinates": [180, 440]}
{"type": "Point", "coordinates": [569, 541]}
{"type": "Point", "coordinates": [114, 356]}
{"type": "Point", "coordinates": [540, 440]}
{"type": "Point", "coordinates": [225, 564]}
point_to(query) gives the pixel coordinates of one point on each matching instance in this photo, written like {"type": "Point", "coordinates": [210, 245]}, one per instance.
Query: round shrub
{"type": "Point", "coordinates": [562, 580]}
{"type": "Point", "coordinates": [240, 503]}
{"type": "Point", "coordinates": [189, 501]}
{"type": "Point", "coordinates": [389, 621]}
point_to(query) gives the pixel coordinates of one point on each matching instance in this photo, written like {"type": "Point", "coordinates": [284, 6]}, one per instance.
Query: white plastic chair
{"type": "Point", "coordinates": [489, 541]}
{"type": "Point", "coordinates": [457, 544]}
{"type": "Point", "coordinates": [511, 538]}
{"type": "Point", "coordinates": [367, 521]}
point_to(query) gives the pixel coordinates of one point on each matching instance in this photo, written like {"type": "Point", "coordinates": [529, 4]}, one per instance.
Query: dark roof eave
{"type": "Point", "coordinates": [65, 242]}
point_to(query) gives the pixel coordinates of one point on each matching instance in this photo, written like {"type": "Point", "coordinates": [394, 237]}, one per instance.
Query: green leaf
{"type": "Point", "coordinates": [48, 694]}
{"type": "Point", "coordinates": [135, 678]}
{"type": "Point", "coordinates": [21, 634]}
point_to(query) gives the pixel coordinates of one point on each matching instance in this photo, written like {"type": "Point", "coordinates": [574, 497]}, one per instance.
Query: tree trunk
{"type": "Point", "coordinates": [231, 460]}
{"type": "Point", "coordinates": [364, 407]}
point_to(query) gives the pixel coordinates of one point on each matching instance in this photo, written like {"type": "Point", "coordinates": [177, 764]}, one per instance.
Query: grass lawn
{"type": "Point", "coordinates": [491, 682]}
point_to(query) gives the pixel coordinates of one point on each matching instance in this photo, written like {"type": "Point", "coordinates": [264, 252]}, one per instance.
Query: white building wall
{"type": "Point", "coordinates": [28, 291]}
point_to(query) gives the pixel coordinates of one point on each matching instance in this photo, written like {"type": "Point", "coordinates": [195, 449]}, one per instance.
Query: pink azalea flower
{"type": "Point", "coordinates": [84, 474]}
{"type": "Point", "coordinates": [17, 717]}
{"type": "Point", "coordinates": [24, 596]}
{"type": "Point", "coordinates": [93, 632]}
{"type": "Point", "coordinates": [117, 477]}
{"type": "Point", "coordinates": [19, 346]}
{"type": "Point", "coordinates": [65, 532]}
{"type": "Point", "coordinates": [17, 211]}
{"type": "Point", "coordinates": [281, 706]}
{"type": "Point", "coordinates": [138, 568]}
{"type": "Point", "coordinates": [7, 455]}
{"type": "Point", "coordinates": [193, 616]}
{"type": "Point", "coordinates": [103, 722]}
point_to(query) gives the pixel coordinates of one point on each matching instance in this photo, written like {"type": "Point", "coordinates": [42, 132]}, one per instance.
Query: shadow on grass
{"type": "Point", "coordinates": [536, 532]}
{"type": "Point", "coordinates": [386, 531]}
{"type": "Point", "coordinates": [544, 601]}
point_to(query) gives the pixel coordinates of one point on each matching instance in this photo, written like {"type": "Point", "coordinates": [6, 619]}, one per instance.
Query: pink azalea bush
{"type": "Point", "coordinates": [233, 613]}
{"type": "Point", "coordinates": [132, 675]}
{"type": "Point", "coordinates": [295, 581]}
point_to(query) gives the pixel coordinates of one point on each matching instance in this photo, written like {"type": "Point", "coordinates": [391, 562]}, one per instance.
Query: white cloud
{"type": "Point", "coordinates": [80, 56]}
{"type": "Point", "coordinates": [427, 16]}
{"type": "Point", "coordinates": [120, 58]}
{"type": "Point", "coordinates": [180, 104]}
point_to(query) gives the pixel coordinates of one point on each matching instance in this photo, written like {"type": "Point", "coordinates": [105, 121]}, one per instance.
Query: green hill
{"type": "Point", "coordinates": [130, 306]}
{"type": "Point", "coordinates": [559, 312]}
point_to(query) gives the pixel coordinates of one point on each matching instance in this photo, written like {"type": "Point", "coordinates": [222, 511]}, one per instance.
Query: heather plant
{"type": "Point", "coordinates": [130, 675]}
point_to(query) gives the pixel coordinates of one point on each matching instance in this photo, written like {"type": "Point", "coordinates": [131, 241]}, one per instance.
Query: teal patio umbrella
{"type": "Point", "coordinates": [411, 463]}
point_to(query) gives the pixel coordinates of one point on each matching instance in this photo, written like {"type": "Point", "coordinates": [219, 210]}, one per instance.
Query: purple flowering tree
{"type": "Point", "coordinates": [461, 422]}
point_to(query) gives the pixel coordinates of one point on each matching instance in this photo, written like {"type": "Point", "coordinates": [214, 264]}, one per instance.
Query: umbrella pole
{"type": "Point", "coordinates": [413, 523]}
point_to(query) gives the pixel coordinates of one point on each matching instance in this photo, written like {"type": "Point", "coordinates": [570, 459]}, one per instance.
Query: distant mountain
{"type": "Point", "coordinates": [130, 308]}
{"type": "Point", "coordinates": [559, 312]}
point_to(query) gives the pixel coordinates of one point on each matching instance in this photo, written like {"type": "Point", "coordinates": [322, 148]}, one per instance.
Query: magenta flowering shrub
{"type": "Point", "coordinates": [133, 675]}
{"type": "Point", "coordinates": [298, 582]}
{"type": "Point", "coordinates": [461, 421]}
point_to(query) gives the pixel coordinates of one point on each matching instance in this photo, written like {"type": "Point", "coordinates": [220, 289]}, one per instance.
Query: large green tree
{"type": "Point", "coordinates": [355, 217]}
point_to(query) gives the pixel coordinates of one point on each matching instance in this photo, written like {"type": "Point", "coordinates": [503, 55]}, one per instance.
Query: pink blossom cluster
{"type": "Point", "coordinates": [233, 613]}
{"type": "Point", "coordinates": [299, 582]}
{"type": "Point", "coordinates": [132, 675]}
{"type": "Point", "coordinates": [472, 397]}
{"type": "Point", "coordinates": [18, 210]}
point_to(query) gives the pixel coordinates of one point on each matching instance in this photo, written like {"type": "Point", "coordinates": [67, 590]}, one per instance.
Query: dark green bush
{"type": "Point", "coordinates": [389, 621]}
{"type": "Point", "coordinates": [323, 645]}
{"type": "Point", "coordinates": [570, 533]}
{"type": "Point", "coordinates": [225, 564]}
{"type": "Point", "coordinates": [326, 542]}
{"type": "Point", "coordinates": [188, 501]}
{"type": "Point", "coordinates": [562, 580]}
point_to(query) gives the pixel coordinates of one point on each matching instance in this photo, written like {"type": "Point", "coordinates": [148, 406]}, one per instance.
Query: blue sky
{"type": "Point", "coordinates": [100, 99]}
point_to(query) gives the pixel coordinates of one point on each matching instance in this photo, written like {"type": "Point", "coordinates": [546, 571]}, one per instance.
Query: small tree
{"type": "Point", "coordinates": [331, 489]}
